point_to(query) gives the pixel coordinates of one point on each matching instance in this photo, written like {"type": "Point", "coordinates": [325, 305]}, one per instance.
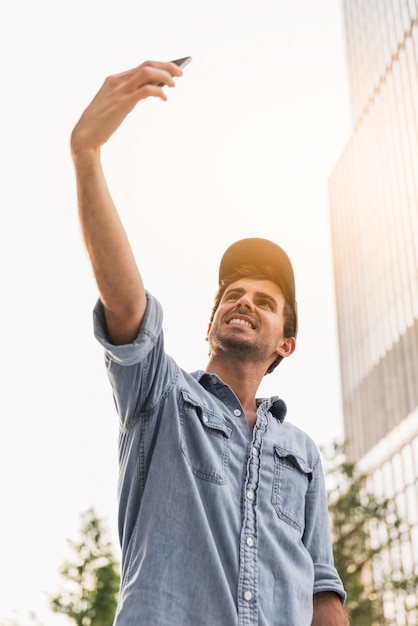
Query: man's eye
{"type": "Point", "coordinates": [265, 303]}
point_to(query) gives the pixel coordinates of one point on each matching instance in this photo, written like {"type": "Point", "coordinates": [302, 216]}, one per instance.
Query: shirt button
{"type": "Point", "coordinates": [248, 595]}
{"type": "Point", "coordinates": [250, 542]}
{"type": "Point", "coordinates": [250, 495]}
{"type": "Point", "coordinates": [254, 452]}
{"type": "Point", "coordinates": [237, 412]}
{"type": "Point", "coordinates": [205, 419]}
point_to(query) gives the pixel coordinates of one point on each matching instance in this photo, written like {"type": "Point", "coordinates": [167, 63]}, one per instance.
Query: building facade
{"type": "Point", "coordinates": [373, 194]}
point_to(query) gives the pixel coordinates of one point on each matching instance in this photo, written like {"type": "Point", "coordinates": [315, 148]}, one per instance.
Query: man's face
{"type": "Point", "coordinates": [249, 322]}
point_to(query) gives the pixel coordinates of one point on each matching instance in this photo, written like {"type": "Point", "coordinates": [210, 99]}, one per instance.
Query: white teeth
{"type": "Point", "coordinates": [239, 321]}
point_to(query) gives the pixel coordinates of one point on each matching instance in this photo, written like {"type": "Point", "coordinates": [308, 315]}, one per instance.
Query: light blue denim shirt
{"type": "Point", "coordinates": [230, 528]}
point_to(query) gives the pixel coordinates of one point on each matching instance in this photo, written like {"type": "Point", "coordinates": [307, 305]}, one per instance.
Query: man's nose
{"type": "Point", "coordinates": [245, 302]}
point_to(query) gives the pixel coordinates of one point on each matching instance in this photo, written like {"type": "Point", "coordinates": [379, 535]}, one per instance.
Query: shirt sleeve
{"type": "Point", "coordinates": [140, 373]}
{"type": "Point", "coordinates": [317, 537]}
{"type": "Point", "coordinates": [148, 335]}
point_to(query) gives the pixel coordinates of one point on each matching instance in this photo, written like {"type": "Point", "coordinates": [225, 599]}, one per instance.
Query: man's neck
{"type": "Point", "coordinates": [244, 381]}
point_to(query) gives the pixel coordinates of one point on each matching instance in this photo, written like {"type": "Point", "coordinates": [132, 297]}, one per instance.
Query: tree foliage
{"type": "Point", "coordinates": [91, 580]}
{"type": "Point", "coordinates": [367, 536]}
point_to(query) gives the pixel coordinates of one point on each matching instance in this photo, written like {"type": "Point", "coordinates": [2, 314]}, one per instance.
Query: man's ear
{"type": "Point", "coordinates": [208, 331]}
{"type": "Point", "coordinates": [286, 347]}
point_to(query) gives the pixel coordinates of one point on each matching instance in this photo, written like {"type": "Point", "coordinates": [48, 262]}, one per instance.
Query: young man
{"type": "Point", "coordinates": [222, 508]}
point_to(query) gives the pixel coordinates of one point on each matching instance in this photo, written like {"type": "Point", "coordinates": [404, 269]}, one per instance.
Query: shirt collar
{"type": "Point", "coordinates": [275, 405]}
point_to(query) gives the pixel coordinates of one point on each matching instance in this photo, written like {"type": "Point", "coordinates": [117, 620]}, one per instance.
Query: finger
{"type": "Point", "coordinates": [150, 72]}
{"type": "Point", "coordinates": [148, 79]}
{"type": "Point", "coordinates": [168, 66]}
{"type": "Point", "coordinates": [161, 76]}
{"type": "Point", "coordinates": [150, 90]}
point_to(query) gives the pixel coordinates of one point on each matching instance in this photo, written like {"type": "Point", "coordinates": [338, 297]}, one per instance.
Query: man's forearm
{"type": "Point", "coordinates": [114, 267]}
{"type": "Point", "coordinates": [328, 610]}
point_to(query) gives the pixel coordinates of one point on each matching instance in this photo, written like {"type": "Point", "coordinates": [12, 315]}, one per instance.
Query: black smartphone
{"type": "Point", "coordinates": [181, 63]}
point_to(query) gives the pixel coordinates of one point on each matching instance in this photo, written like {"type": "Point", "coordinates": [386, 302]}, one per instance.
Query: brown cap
{"type": "Point", "coordinates": [259, 252]}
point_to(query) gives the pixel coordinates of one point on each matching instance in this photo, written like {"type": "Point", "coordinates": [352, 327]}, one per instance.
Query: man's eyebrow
{"type": "Point", "coordinates": [239, 290]}
{"type": "Point", "coordinates": [265, 296]}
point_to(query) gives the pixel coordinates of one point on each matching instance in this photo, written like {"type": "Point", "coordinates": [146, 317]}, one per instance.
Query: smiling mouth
{"type": "Point", "coordinates": [236, 320]}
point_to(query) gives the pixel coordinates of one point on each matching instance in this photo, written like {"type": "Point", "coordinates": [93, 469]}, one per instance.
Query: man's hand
{"type": "Point", "coordinates": [328, 610]}
{"type": "Point", "coordinates": [116, 98]}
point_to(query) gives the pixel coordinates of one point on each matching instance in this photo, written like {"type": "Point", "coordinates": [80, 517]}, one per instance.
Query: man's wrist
{"type": "Point", "coordinates": [328, 610]}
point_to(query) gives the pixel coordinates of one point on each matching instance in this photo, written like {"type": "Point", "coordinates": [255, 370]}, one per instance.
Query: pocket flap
{"type": "Point", "coordinates": [207, 415]}
{"type": "Point", "coordinates": [293, 460]}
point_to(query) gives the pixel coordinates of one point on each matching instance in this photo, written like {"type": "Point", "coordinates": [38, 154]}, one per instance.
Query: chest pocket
{"type": "Point", "coordinates": [205, 438]}
{"type": "Point", "coordinates": [291, 480]}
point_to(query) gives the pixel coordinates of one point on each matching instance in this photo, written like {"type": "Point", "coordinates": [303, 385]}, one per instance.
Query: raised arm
{"type": "Point", "coordinates": [118, 279]}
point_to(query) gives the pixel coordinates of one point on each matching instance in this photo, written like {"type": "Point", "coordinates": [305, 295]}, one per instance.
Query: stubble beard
{"type": "Point", "coordinates": [237, 348]}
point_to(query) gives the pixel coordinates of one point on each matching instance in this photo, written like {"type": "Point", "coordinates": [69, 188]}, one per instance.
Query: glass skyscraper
{"type": "Point", "coordinates": [373, 194]}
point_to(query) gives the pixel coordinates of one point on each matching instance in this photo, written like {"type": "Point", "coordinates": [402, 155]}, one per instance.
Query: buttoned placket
{"type": "Point", "coordinates": [248, 576]}
{"type": "Point", "coordinates": [248, 569]}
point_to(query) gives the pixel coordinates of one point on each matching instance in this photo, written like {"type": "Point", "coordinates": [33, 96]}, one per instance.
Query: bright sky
{"type": "Point", "coordinates": [243, 147]}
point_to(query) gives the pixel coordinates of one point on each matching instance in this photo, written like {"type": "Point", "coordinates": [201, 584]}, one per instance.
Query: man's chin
{"type": "Point", "coordinates": [237, 346]}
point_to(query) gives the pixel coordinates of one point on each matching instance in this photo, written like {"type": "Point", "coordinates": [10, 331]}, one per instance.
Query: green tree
{"type": "Point", "coordinates": [89, 595]}
{"type": "Point", "coordinates": [367, 533]}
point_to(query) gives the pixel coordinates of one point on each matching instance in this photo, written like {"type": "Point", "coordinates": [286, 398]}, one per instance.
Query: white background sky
{"type": "Point", "coordinates": [244, 147]}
